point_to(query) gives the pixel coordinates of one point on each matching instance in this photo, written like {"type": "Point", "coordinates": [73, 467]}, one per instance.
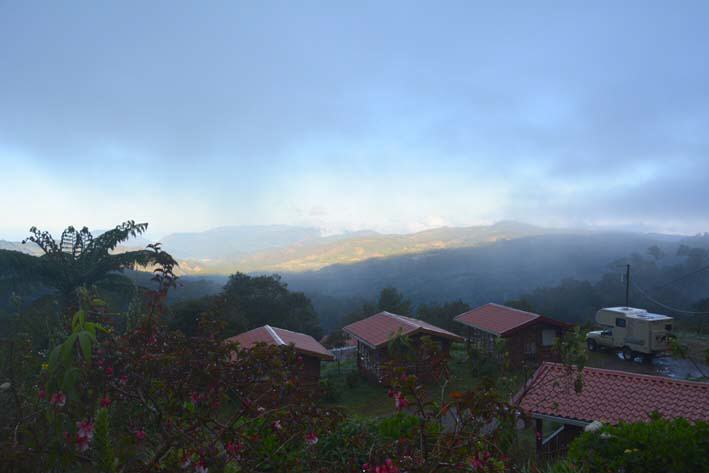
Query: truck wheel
{"type": "Point", "coordinates": [628, 354]}
{"type": "Point", "coordinates": [591, 344]}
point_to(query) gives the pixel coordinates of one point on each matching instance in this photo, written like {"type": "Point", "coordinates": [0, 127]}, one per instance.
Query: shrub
{"type": "Point", "coordinates": [658, 446]}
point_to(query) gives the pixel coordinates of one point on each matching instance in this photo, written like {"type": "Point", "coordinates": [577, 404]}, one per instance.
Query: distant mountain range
{"type": "Point", "coordinates": [295, 249]}
{"type": "Point", "coordinates": [292, 249]}
{"type": "Point", "coordinates": [476, 264]}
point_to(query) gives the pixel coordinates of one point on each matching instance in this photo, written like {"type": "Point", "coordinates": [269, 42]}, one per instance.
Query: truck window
{"type": "Point", "coordinates": [620, 322]}
{"type": "Point", "coordinates": [668, 327]}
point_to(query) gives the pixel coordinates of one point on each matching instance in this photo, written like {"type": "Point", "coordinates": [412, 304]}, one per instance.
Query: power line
{"type": "Point", "coordinates": [674, 309]}
{"type": "Point", "coordinates": [682, 277]}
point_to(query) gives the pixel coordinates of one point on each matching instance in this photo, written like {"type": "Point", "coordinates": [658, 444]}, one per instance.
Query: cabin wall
{"type": "Point", "coordinates": [554, 445]}
{"type": "Point", "coordinates": [311, 369]}
{"type": "Point", "coordinates": [371, 362]}
{"type": "Point", "coordinates": [534, 343]}
{"type": "Point", "coordinates": [530, 344]}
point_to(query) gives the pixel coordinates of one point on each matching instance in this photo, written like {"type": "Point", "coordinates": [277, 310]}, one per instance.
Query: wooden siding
{"type": "Point", "coordinates": [524, 345]}
{"type": "Point", "coordinates": [371, 361]}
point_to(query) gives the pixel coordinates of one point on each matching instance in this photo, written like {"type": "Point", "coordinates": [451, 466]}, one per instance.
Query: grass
{"type": "Point", "coordinates": [370, 400]}
{"type": "Point", "coordinates": [357, 398]}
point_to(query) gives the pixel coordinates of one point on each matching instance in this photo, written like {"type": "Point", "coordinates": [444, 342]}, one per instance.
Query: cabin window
{"type": "Point", "coordinates": [548, 337]}
{"type": "Point", "coordinates": [620, 322]}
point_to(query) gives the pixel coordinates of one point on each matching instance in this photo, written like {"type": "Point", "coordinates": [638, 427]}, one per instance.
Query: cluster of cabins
{"type": "Point", "coordinates": [550, 398]}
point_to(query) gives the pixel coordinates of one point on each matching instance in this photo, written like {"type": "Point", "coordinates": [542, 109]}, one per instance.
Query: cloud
{"type": "Point", "coordinates": [365, 115]}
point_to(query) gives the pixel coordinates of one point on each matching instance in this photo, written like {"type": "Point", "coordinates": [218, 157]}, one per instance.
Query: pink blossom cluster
{"type": "Point", "coordinates": [234, 448]}
{"type": "Point", "coordinates": [400, 401]}
{"type": "Point", "coordinates": [311, 438]}
{"type": "Point", "coordinates": [387, 467]}
{"type": "Point", "coordinates": [480, 461]}
{"type": "Point", "coordinates": [84, 435]}
{"type": "Point", "coordinates": [58, 399]}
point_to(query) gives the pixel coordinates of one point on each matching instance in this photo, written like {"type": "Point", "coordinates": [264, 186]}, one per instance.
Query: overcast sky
{"type": "Point", "coordinates": [395, 116]}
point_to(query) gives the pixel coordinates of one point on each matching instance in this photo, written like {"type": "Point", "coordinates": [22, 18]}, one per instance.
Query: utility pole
{"type": "Point", "coordinates": [627, 285]}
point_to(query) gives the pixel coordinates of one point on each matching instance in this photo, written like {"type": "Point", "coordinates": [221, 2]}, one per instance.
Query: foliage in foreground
{"type": "Point", "coordinates": [658, 446]}
{"type": "Point", "coordinates": [112, 395]}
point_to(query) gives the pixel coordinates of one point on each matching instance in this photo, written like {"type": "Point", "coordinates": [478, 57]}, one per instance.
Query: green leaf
{"type": "Point", "coordinates": [98, 302]}
{"type": "Point", "coordinates": [107, 460]}
{"type": "Point", "coordinates": [71, 378]}
{"type": "Point", "coordinates": [78, 320]}
{"type": "Point", "coordinates": [85, 343]}
{"type": "Point", "coordinates": [53, 358]}
{"type": "Point", "coordinates": [67, 347]}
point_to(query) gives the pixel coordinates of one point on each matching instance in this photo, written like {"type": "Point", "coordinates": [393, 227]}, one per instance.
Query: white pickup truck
{"type": "Point", "coordinates": [635, 332]}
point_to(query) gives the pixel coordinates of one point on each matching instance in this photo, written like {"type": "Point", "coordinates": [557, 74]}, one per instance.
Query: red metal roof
{"type": "Point", "coordinates": [302, 343]}
{"type": "Point", "coordinates": [502, 320]}
{"type": "Point", "coordinates": [611, 396]}
{"type": "Point", "coordinates": [378, 329]}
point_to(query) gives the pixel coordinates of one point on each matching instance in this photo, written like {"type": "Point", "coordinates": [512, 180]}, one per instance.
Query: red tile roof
{"type": "Point", "coordinates": [302, 343]}
{"type": "Point", "coordinates": [378, 329]}
{"type": "Point", "coordinates": [611, 396]}
{"type": "Point", "coordinates": [502, 320]}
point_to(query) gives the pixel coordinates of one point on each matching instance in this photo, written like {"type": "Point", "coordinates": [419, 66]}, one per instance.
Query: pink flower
{"type": "Point", "coordinates": [123, 379]}
{"type": "Point", "coordinates": [234, 448]}
{"type": "Point", "coordinates": [105, 401]}
{"type": "Point", "coordinates": [140, 435]}
{"type": "Point", "coordinates": [387, 467]}
{"type": "Point", "coordinates": [85, 429]}
{"type": "Point", "coordinates": [400, 401]}
{"type": "Point", "coordinates": [200, 467]}
{"type": "Point", "coordinates": [311, 438]}
{"type": "Point", "coordinates": [195, 397]}
{"type": "Point", "coordinates": [277, 425]}
{"type": "Point", "coordinates": [42, 394]}
{"type": "Point", "coordinates": [58, 399]}
{"type": "Point", "coordinates": [82, 443]}
{"type": "Point", "coordinates": [84, 435]}
{"type": "Point", "coordinates": [108, 371]}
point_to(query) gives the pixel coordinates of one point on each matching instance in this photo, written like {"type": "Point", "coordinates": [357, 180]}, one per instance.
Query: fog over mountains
{"type": "Point", "coordinates": [293, 249]}
{"type": "Point", "coordinates": [475, 264]}
{"type": "Point", "coordinates": [282, 248]}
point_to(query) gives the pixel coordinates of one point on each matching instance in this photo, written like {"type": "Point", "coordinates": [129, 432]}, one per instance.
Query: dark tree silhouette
{"type": "Point", "coordinates": [79, 259]}
{"type": "Point", "coordinates": [391, 300]}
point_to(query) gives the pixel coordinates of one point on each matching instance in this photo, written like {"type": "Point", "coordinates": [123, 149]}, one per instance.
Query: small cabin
{"type": "Point", "coordinates": [374, 333]}
{"type": "Point", "coordinates": [528, 336]}
{"type": "Point", "coordinates": [561, 413]}
{"type": "Point", "coordinates": [311, 350]}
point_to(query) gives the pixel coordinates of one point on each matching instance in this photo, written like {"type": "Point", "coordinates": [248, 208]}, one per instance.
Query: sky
{"type": "Point", "coordinates": [392, 116]}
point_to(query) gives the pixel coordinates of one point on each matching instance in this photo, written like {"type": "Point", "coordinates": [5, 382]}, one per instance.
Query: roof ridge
{"type": "Point", "coordinates": [630, 374]}
{"type": "Point", "coordinates": [292, 331]}
{"type": "Point", "coordinates": [274, 335]}
{"type": "Point", "coordinates": [404, 319]}
{"type": "Point", "coordinates": [513, 308]}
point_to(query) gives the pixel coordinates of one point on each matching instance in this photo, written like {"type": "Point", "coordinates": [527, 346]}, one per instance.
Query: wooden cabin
{"type": "Point", "coordinates": [374, 333]}
{"type": "Point", "coordinates": [561, 413]}
{"type": "Point", "coordinates": [305, 345]}
{"type": "Point", "coordinates": [528, 336]}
